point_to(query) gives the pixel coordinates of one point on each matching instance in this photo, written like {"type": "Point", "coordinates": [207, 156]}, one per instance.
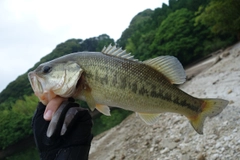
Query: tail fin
{"type": "Point", "coordinates": [210, 108]}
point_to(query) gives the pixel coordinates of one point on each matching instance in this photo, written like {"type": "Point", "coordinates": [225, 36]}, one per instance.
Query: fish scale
{"type": "Point", "coordinates": [134, 77]}
{"type": "Point", "coordinates": [114, 78]}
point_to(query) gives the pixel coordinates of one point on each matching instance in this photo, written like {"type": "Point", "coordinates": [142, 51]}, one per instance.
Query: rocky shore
{"type": "Point", "coordinates": [172, 137]}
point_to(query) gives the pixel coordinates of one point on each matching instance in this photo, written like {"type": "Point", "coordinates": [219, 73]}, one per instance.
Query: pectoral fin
{"type": "Point", "coordinates": [149, 118]}
{"type": "Point", "coordinates": [89, 99]}
{"type": "Point", "coordinates": [104, 109]}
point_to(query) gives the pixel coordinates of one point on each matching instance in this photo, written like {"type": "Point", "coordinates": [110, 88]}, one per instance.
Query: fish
{"type": "Point", "coordinates": [115, 78]}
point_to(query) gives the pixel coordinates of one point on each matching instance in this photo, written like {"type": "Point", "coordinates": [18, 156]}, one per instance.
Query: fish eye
{"type": "Point", "coordinates": [46, 69]}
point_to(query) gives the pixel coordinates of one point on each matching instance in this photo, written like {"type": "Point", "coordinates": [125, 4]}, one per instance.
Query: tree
{"type": "Point", "coordinates": [222, 16]}
{"type": "Point", "coordinates": [136, 25]}
{"type": "Point", "coordinates": [176, 36]}
{"type": "Point", "coordinates": [191, 5]}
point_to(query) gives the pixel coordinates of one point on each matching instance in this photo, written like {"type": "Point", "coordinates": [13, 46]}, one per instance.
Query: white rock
{"type": "Point", "coordinates": [165, 150]}
{"type": "Point", "coordinates": [227, 138]}
{"type": "Point", "coordinates": [218, 145]}
{"type": "Point", "coordinates": [151, 149]}
{"type": "Point", "coordinates": [238, 142]}
{"type": "Point", "coordinates": [185, 157]}
{"type": "Point", "coordinates": [168, 143]}
{"type": "Point", "coordinates": [214, 156]}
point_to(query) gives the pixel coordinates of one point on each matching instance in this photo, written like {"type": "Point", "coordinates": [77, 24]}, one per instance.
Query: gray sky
{"type": "Point", "coordinates": [30, 29]}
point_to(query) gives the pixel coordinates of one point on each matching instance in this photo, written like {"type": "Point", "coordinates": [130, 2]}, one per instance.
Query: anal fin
{"type": "Point", "coordinates": [104, 109]}
{"type": "Point", "coordinates": [149, 118]}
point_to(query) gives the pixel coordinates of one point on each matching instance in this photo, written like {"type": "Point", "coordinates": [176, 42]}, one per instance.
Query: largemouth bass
{"type": "Point", "coordinates": [114, 78]}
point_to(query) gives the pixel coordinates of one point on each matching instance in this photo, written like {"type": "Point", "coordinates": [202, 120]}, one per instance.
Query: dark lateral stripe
{"type": "Point", "coordinates": [121, 79]}
{"type": "Point", "coordinates": [168, 97]}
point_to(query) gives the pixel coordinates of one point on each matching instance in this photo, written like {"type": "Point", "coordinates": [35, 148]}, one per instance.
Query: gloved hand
{"type": "Point", "coordinates": [67, 136]}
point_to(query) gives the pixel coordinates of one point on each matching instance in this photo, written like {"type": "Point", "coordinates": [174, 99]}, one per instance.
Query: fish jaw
{"type": "Point", "coordinates": [55, 79]}
{"type": "Point", "coordinates": [43, 95]}
{"type": "Point", "coordinates": [35, 84]}
{"type": "Point", "coordinates": [46, 96]}
{"type": "Point", "coordinates": [37, 87]}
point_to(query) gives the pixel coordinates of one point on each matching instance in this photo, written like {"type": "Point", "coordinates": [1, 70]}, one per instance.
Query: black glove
{"type": "Point", "coordinates": [67, 136]}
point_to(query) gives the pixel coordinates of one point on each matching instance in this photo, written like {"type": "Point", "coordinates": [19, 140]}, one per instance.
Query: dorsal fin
{"type": "Point", "coordinates": [118, 52]}
{"type": "Point", "coordinates": [170, 67]}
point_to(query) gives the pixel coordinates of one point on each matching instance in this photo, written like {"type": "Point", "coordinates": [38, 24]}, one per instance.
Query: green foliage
{"type": "Point", "coordinates": [14, 127]}
{"type": "Point", "coordinates": [171, 30]}
{"type": "Point", "coordinates": [27, 154]}
{"type": "Point", "coordinates": [148, 21]}
{"type": "Point", "coordinates": [191, 5]}
{"type": "Point", "coordinates": [15, 123]}
{"type": "Point", "coordinates": [176, 36]}
{"type": "Point", "coordinates": [7, 105]}
{"type": "Point", "coordinates": [103, 123]}
{"type": "Point", "coordinates": [135, 24]}
{"type": "Point", "coordinates": [222, 16]}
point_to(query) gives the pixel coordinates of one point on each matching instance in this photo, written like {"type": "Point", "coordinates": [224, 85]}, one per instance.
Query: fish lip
{"type": "Point", "coordinates": [35, 83]}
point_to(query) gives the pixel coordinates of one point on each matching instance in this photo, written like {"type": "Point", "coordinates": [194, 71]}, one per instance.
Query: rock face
{"type": "Point", "coordinates": [172, 137]}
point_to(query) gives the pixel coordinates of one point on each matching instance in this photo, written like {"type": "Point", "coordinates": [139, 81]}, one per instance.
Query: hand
{"type": "Point", "coordinates": [52, 107]}
{"type": "Point", "coordinates": [67, 136]}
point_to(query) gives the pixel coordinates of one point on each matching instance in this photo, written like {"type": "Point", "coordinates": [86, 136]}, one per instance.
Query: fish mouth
{"type": "Point", "coordinates": [38, 89]}
{"type": "Point", "coordinates": [35, 84]}
{"type": "Point", "coordinates": [45, 91]}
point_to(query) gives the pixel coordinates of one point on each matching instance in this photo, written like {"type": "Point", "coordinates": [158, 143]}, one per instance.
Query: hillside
{"type": "Point", "coordinates": [172, 137]}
